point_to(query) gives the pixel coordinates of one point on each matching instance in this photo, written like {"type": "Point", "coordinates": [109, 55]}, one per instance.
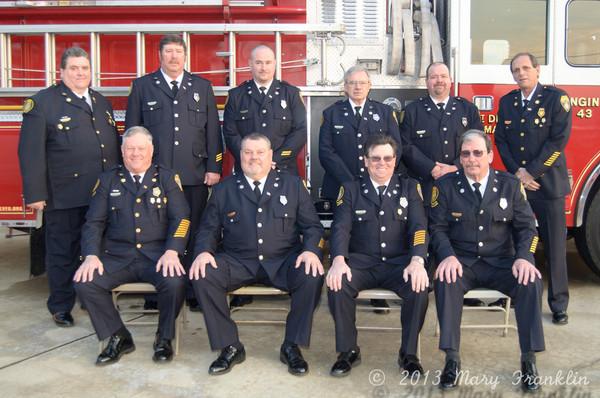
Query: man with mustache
{"type": "Point", "coordinates": [180, 111]}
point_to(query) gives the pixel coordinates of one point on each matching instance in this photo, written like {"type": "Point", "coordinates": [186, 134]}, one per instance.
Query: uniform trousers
{"type": "Point", "coordinates": [63, 251]}
{"type": "Point", "coordinates": [550, 214]}
{"type": "Point", "coordinates": [231, 274]}
{"type": "Point", "coordinates": [527, 298]}
{"type": "Point", "coordinates": [342, 305]}
{"type": "Point", "coordinates": [97, 297]}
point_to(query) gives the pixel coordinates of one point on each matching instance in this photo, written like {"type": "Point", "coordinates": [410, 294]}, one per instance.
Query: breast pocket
{"type": "Point", "coordinates": [421, 134]}
{"type": "Point", "coordinates": [115, 208]}
{"type": "Point", "coordinates": [401, 214]}
{"type": "Point", "coordinates": [461, 225]}
{"type": "Point", "coordinates": [503, 216]}
{"type": "Point", "coordinates": [151, 112]}
{"type": "Point", "coordinates": [196, 114]}
{"type": "Point", "coordinates": [285, 217]}
{"type": "Point", "coordinates": [244, 121]}
{"type": "Point", "coordinates": [65, 130]}
{"type": "Point", "coordinates": [283, 118]}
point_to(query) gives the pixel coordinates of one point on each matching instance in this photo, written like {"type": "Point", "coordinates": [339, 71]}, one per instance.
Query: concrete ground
{"type": "Point", "coordinates": [38, 359]}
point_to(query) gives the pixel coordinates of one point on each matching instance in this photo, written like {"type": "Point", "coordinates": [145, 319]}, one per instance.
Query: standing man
{"type": "Point", "coordinates": [180, 111]}
{"type": "Point", "coordinates": [431, 128]}
{"type": "Point", "coordinates": [259, 227]}
{"type": "Point", "coordinates": [268, 106]}
{"type": "Point", "coordinates": [136, 229]}
{"type": "Point", "coordinates": [483, 232]}
{"type": "Point", "coordinates": [68, 137]}
{"type": "Point", "coordinates": [345, 127]}
{"type": "Point", "coordinates": [534, 125]}
{"type": "Point", "coordinates": [378, 239]}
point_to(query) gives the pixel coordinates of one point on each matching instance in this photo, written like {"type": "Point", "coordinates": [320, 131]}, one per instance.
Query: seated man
{"type": "Point", "coordinates": [136, 229]}
{"type": "Point", "coordinates": [483, 231]}
{"type": "Point", "coordinates": [378, 239]}
{"type": "Point", "coordinates": [250, 233]}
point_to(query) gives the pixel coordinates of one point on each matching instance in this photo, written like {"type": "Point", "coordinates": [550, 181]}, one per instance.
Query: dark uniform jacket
{"type": "Point", "coordinates": [368, 233]}
{"type": "Point", "coordinates": [264, 233]}
{"type": "Point", "coordinates": [430, 135]}
{"type": "Point", "coordinates": [535, 138]}
{"type": "Point", "coordinates": [498, 232]}
{"type": "Point", "coordinates": [280, 116]}
{"type": "Point", "coordinates": [341, 141]}
{"type": "Point", "coordinates": [186, 131]}
{"type": "Point", "coordinates": [63, 146]}
{"type": "Point", "coordinates": [124, 222]}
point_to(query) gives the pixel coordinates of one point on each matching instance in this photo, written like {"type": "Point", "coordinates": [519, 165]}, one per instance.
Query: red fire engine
{"type": "Point", "coordinates": [315, 41]}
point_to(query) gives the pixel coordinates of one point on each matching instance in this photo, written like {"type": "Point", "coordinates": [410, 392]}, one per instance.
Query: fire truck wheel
{"type": "Point", "coordinates": [587, 237]}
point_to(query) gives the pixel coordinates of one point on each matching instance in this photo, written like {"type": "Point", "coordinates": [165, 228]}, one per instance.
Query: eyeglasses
{"type": "Point", "coordinates": [357, 83]}
{"type": "Point", "coordinates": [476, 152]}
{"type": "Point", "coordinates": [377, 159]}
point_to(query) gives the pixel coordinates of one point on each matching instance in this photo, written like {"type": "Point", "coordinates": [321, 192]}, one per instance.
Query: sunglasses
{"type": "Point", "coordinates": [476, 152]}
{"type": "Point", "coordinates": [377, 159]}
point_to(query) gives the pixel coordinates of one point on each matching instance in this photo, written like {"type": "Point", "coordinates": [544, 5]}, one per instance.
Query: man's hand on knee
{"type": "Point", "coordinates": [525, 272]}
{"type": "Point", "coordinates": [338, 269]}
{"type": "Point", "coordinates": [448, 270]}
{"type": "Point", "coordinates": [311, 263]}
{"type": "Point", "coordinates": [198, 268]}
{"type": "Point", "coordinates": [85, 272]}
{"type": "Point", "coordinates": [170, 264]}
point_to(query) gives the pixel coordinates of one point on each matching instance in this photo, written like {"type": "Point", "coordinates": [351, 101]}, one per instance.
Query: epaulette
{"type": "Point", "coordinates": [505, 174]}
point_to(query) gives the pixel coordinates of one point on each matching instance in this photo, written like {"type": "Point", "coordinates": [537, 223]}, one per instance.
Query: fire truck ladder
{"type": "Point", "coordinates": [95, 33]}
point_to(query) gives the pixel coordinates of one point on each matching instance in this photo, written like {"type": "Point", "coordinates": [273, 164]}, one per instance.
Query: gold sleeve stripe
{"type": "Point", "coordinates": [182, 229]}
{"type": "Point", "coordinates": [552, 159]}
{"type": "Point", "coordinates": [219, 157]}
{"type": "Point", "coordinates": [286, 153]}
{"type": "Point", "coordinates": [534, 243]}
{"type": "Point", "coordinates": [419, 238]}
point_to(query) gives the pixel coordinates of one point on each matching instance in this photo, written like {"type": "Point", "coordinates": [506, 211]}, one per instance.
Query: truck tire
{"type": "Point", "coordinates": [587, 237]}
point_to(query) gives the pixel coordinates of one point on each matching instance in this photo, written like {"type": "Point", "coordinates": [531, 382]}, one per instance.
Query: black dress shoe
{"type": "Point", "coordinates": [470, 302]}
{"type": "Point", "coordinates": [118, 345]}
{"type": "Point", "coordinates": [560, 318]}
{"type": "Point", "coordinates": [529, 377]}
{"type": "Point", "coordinates": [63, 319]}
{"type": "Point", "coordinates": [450, 375]}
{"type": "Point", "coordinates": [410, 364]}
{"type": "Point", "coordinates": [382, 306]}
{"type": "Point", "coordinates": [240, 301]}
{"type": "Point", "coordinates": [345, 362]}
{"type": "Point", "coordinates": [502, 303]}
{"type": "Point", "coordinates": [163, 351]}
{"type": "Point", "coordinates": [194, 305]}
{"type": "Point", "coordinates": [229, 356]}
{"type": "Point", "coordinates": [290, 355]}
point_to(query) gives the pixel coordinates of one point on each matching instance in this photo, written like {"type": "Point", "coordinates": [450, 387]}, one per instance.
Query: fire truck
{"type": "Point", "coordinates": [315, 42]}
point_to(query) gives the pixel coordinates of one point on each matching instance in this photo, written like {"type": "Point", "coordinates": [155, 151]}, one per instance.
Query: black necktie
{"type": "Point", "coordinates": [525, 103]}
{"type": "Point", "coordinates": [476, 185]}
{"type": "Point", "coordinates": [138, 180]}
{"type": "Point", "coordinates": [440, 106]}
{"type": "Point", "coordinates": [257, 192]}
{"type": "Point", "coordinates": [381, 190]}
{"type": "Point", "coordinates": [357, 113]}
{"type": "Point", "coordinates": [174, 88]}
{"type": "Point", "coordinates": [86, 103]}
{"type": "Point", "coordinates": [263, 90]}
